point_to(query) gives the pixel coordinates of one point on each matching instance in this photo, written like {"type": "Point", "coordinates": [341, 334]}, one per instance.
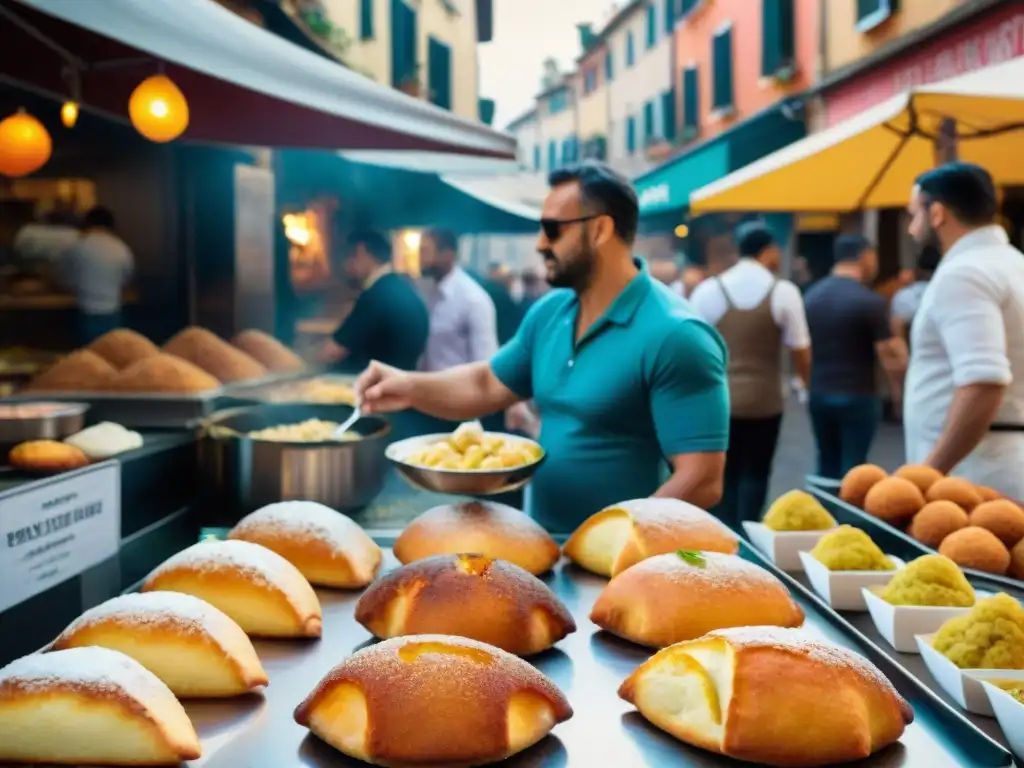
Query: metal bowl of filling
{"type": "Point", "coordinates": [257, 455]}
{"type": "Point", "coordinates": [468, 461]}
{"type": "Point", "coordinates": [38, 420]}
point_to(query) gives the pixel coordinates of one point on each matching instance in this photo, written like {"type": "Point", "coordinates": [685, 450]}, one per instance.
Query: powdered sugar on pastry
{"type": "Point", "coordinates": [94, 671]}
{"type": "Point", "coordinates": [260, 564]}
{"type": "Point", "coordinates": [186, 613]}
{"type": "Point", "coordinates": [308, 518]}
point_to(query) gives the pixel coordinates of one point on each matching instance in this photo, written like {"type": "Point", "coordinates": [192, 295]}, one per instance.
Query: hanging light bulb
{"type": "Point", "coordinates": [25, 145]}
{"type": "Point", "coordinates": [69, 114]}
{"type": "Point", "coordinates": [158, 109]}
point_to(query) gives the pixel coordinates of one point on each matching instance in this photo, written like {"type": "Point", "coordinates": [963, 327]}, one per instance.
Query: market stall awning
{"type": "Point", "coordinates": [668, 187]}
{"type": "Point", "coordinates": [432, 162]}
{"type": "Point", "coordinates": [871, 161]}
{"type": "Point", "coordinates": [244, 85]}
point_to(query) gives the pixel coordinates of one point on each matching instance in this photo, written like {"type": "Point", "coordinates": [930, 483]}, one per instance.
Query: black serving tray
{"type": "Point", "coordinates": [588, 666]}
{"type": "Point", "coordinates": [895, 542]}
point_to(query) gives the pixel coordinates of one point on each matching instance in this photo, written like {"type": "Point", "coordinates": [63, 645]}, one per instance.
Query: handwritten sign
{"type": "Point", "coordinates": [52, 530]}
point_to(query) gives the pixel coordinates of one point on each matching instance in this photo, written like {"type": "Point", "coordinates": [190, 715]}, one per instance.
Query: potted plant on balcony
{"type": "Point", "coordinates": [411, 84]}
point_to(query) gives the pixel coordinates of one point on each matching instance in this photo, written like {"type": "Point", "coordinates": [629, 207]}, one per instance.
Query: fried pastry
{"type": "Point", "coordinates": [268, 351]}
{"type": "Point", "coordinates": [769, 695]}
{"type": "Point", "coordinates": [327, 547]}
{"type": "Point", "coordinates": [433, 700]}
{"type": "Point", "coordinates": [482, 528]}
{"type": "Point", "coordinates": [214, 355]}
{"type": "Point", "coordinates": [82, 370]}
{"type": "Point", "coordinates": [622, 535]}
{"type": "Point", "coordinates": [193, 647]}
{"type": "Point", "coordinates": [264, 593]}
{"type": "Point", "coordinates": [122, 347]}
{"type": "Point", "coordinates": [90, 706]}
{"type": "Point", "coordinates": [680, 596]}
{"type": "Point", "coordinates": [472, 596]}
{"type": "Point", "coordinates": [894, 500]}
{"type": "Point", "coordinates": [163, 374]}
{"type": "Point", "coordinates": [46, 457]}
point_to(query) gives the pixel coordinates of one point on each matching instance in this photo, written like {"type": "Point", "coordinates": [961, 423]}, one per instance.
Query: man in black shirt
{"type": "Point", "coordinates": [389, 321]}
{"type": "Point", "coordinates": [849, 325]}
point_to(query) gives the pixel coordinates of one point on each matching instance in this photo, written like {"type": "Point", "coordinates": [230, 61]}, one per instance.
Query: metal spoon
{"type": "Point", "coordinates": [348, 423]}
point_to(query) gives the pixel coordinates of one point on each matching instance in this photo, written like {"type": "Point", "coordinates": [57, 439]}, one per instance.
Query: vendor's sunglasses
{"type": "Point", "coordinates": [553, 228]}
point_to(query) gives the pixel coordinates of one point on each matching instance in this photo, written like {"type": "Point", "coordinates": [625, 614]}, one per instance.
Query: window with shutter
{"type": "Point", "coordinates": [552, 155]}
{"type": "Point", "coordinates": [609, 67]}
{"type": "Point", "coordinates": [536, 157]}
{"type": "Point", "coordinates": [366, 20]}
{"type": "Point", "coordinates": [648, 121]}
{"type": "Point", "coordinates": [872, 13]}
{"type": "Point", "coordinates": [688, 5]}
{"type": "Point", "coordinates": [777, 37]}
{"type": "Point", "coordinates": [630, 135]}
{"type": "Point", "coordinates": [691, 103]}
{"type": "Point", "coordinates": [668, 114]}
{"type": "Point", "coordinates": [652, 26]}
{"type": "Point", "coordinates": [439, 72]}
{"type": "Point", "coordinates": [403, 43]}
{"type": "Point", "coordinates": [722, 91]}
{"type": "Point", "coordinates": [670, 15]}
{"type": "Point", "coordinates": [630, 49]}
{"type": "Point", "coordinates": [486, 110]}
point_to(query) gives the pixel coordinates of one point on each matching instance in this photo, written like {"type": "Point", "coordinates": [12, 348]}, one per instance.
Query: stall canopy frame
{"type": "Point", "coordinates": [244, 85]}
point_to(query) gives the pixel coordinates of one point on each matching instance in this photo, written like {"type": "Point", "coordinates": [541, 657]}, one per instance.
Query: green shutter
{"type": "Point", "coordinates": [631, 135]}
{"type": "Point", "coordinates": [486, 109]}
{"type": "Point", "coordinates": [609, 67]}
{"type": "Point", "coordinates": [871, 13]}
{"type": "Point", "coordinates": [670, 15]}
{"type": "Point", "coordinates": [648, 121]}
{"type": "Point", "coordinates": [691, 103]}
{"type": "Point", "coordinates": [552, 155]}
{"type": "Point", "coordinates": [630, 49]}
{"type": "Point", "coordinates": [439, 72]}
{"type": "Point", "coordinates": [366, 19]}
{"type": "Point", "coordinates": [688, 5]}
{"type": "Point", "coordinates": [777, 36]}
{"type": "Point", "coordinates": [668, 114]}
{"type": "Point", "coordinates": [403, 43]}
{"type": "Point", "coordinates": [722, 72]}
{"type": "Point", "coordinates": [652, 26]}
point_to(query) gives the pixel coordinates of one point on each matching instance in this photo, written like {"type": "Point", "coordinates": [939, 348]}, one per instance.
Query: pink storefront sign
{"type": "Point", "coordinates": [992, 39]}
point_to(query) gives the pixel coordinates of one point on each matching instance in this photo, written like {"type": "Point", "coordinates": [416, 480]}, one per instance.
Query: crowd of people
{"type": "Point", "coordinates": [641, 392]}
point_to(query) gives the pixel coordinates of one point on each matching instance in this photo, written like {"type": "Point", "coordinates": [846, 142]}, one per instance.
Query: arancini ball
{"type": "Point", "coordinates": [921, 475]}
{"type": "Point", "coordinates": [974, 547]}
{"type": "Point", "coordinates": [1017, 560]}
{"type": "Point", "coordinates": [894, 500]}
{"type": "Point", "coordinates": [859, 481]}
{"type": "Point", "coordinates": [935, 521]}
{"type": "Point", "coordinates": [988, 494]}
{"type": "Point", "coordinates": [1004, 518]}
{"type": "Point", "coordinates": [957, 490]}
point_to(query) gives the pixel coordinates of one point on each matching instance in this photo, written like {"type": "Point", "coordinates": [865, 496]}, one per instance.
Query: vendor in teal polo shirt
{"type": "Point", "coordinates": [630, 384]}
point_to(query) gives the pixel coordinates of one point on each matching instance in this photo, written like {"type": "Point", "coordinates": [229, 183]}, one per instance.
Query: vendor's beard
{"type": "Point", "coordinates": [574, 272]}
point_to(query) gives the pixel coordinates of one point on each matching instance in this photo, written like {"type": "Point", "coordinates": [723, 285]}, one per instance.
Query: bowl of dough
{"type": "Point", "coordinates": [468, 461]}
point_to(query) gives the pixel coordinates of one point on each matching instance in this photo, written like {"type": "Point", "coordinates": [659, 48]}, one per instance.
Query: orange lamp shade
{"type": "Point", "coordinates": [158, 109]}
{"type": "Point", "coordinates": [25, 145]}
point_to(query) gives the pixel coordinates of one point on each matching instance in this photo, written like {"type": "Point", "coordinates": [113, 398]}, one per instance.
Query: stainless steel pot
{"type": "Point", "coordinates": [252, 473]}
{"type": "Point", "coordinates": [55, 421]}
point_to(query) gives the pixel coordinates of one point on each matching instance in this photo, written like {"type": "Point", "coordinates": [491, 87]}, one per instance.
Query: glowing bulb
{"type": "Point", "coordinates": [69, 114]}
{"type": "Point", "coordinates": [25, 145]}
{"type": "Point", "coordinates": [412, 240]}
{"type": "Point", "coordinates": [682, 231]}
{"type": "Point", "coordinates": [158, 109]}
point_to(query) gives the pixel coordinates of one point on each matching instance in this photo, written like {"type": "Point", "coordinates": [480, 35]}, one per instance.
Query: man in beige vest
{"type": "Point", "coordinates": [758, 315]}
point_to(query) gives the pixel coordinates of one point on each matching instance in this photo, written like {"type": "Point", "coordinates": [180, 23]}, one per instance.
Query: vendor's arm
{"type": "Point", "coordinates": [463, 392]}
{"type": "Point", "coordinates": [891, 350]}
{"type": "Point", "coordinates": [970, 323]}
{"type": "Point", "coordinates": [690, 408]}
{"type": "Point", "coordinates": [788, 312]}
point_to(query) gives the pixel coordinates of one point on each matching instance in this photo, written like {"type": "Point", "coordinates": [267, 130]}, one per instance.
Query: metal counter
{"type": "Point", "coordinates": [260, 732]}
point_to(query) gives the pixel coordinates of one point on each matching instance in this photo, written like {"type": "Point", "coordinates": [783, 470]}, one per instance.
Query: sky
{"type": "Point", "coordinates": [525, 33]}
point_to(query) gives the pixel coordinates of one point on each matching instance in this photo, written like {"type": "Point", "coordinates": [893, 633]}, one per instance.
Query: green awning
{"type": "Point", "coordinates": [668, 188]}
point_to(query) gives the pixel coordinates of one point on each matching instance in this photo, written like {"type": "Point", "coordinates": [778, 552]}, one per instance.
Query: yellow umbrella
{"type": "Point", "coordinates": [871, 160]}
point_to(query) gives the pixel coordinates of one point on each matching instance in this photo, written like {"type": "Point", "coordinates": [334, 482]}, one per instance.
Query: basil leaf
{"type": "Point", "coordinates": [691, 557]}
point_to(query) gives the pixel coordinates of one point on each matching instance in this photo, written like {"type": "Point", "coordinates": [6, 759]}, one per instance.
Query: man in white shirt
{"type": "Point", "coordinates": [758, 315]}
{"type": "Point", "coordinates": [964, 411]}
{"type": "Point", "coordinates": [463, 320]}
{"type": "Point", "coordinates": [98, 267]}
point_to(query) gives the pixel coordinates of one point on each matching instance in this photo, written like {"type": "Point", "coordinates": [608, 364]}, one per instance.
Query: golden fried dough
{"type": "Point", "coordinates": [82, 370]}
{"type": "Point", "coordinates": [974, 547]}
{"type": "Point", "coordinates": [214, 355]}
{"type": "Point", "coordinates": [935, 521]}
{"type": "Point", "coordinates": [121, 347]}
{"type": "Point", "coordinates": [268, 351]}
{"type": "Point", "coordinates": [165, 374]}
{"type": "Point", "coordinates": [894, 500]}
{"type": "Point", "coordinates": [957, 490]}
{"type": "Point", "coordinates": [46, 456]}
{"type": "Point", "coordinates": [858, 482]}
